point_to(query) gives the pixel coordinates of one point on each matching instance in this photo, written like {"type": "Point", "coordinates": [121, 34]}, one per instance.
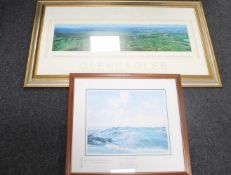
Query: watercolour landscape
{"type": "Point", "coordinates": [126, 122]}
{"type": "Point", "coordinates": [133, 37]}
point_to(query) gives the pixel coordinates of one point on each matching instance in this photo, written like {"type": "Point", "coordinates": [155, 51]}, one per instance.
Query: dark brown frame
{"type": "Point", "coordinates": [185, 143]}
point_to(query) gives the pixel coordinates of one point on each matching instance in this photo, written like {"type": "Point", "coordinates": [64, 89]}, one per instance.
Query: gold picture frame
{"type": "Point", "coordinates": [46, 79]}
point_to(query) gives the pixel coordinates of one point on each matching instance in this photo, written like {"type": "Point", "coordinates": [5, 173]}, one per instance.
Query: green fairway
{"type": "Point", "coordinates": [141, 39]}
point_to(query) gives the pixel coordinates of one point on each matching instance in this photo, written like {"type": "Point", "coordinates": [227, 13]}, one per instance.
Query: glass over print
{"type": "Point", "coordinates": [169, 37]}
{"type": "Point", "coordinates": [126, 123]}
{"type": "Point", "coordinates": [132, 37]}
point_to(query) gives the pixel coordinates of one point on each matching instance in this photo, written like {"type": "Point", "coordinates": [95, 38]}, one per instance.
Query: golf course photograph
{"type": "Point", "coordinates": [132, 37]}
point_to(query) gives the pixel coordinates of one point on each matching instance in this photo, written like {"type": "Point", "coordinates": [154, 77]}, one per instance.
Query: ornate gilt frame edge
{"type": "Point", "coordinates": [33, 80]}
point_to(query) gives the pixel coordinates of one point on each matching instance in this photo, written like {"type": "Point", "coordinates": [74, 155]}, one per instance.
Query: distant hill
{"type": "Point", "coordinates": [121, 28]}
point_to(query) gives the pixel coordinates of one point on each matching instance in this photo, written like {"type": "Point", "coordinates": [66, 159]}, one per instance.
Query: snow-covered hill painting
{"type": "Point", "coordinates": [127, 122]}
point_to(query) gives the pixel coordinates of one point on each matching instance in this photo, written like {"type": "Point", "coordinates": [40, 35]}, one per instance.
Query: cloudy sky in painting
{"type": "Point", "coordinates": [130, 108]}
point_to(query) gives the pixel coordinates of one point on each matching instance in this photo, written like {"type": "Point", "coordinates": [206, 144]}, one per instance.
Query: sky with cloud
{"type": "Point", "coordinates": [130, 108]}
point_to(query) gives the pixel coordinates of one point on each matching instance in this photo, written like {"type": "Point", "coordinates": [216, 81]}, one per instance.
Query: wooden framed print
{"type": "Point", "coordinates": [126, 124]}
{"type": "Point", "coordinates": [164, 37]}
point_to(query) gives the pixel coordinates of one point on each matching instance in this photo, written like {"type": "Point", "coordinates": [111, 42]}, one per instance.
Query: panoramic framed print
{"type": "Point", "coordinates": [126, 124]}
{"type": "Point", "coordinates": [164, 37]}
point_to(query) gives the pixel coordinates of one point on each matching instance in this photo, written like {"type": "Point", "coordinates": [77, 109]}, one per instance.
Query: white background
{"type": "Point", "coordinates": [63, 63]}
{"type": "Point", "coordinates": [82, 163]}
